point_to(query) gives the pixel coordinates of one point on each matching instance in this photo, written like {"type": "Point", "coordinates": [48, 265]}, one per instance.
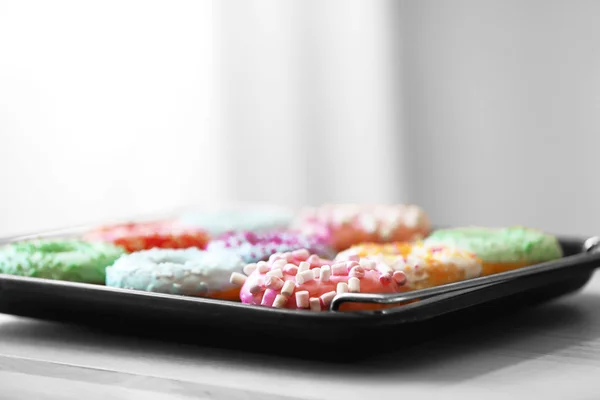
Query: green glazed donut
{"type": "Point", "coordinates": [68, 260]}
{"type": "Point", "coordinates": [513, 247]}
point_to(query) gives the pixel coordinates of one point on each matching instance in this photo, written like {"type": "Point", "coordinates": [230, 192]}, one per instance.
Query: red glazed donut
{"type": "Point", "coordinates": [147, 235]}
{"type": "Point", "coordinates": [345, 225]}
{"type": "Point", "coordinates": [298, 280]}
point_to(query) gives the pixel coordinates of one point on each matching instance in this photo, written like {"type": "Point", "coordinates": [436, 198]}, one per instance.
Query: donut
{"type": "Point", "coordinates": [344, 225]}
{"type": "Point", "coordinates": [299, 280]}
{"type": "Point", "coordinates": [67, 260]}
{"type": "Point", "coordinates": [424, 266]}
{"type": "Point", "coordinates": [258, 246]}
{"type": "Point", "coordinates": [221, 221]}
{"type": "Point", "coordinates": [372, 249]}
{"type": "Point", "coordinates": [500, 249]}
{"type": "Point", "coordinates": [187, 272]}
{"type": "Point", "coordinates": [147, 235]}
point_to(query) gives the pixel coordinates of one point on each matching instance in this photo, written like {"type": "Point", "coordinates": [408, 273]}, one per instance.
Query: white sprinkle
{"type": "Point", "coordinates": [357, 272]}
{"type": "Point", "coordinates": [326, 298]}
{"type": "Point", "coordinates": [366, 263]}
{"type": "Point", "coordinates": [303, 266]}
{"type": "Point", "coordinates": [249, 269]}
{"type": "Point", "coordinates": [280, 301]}
{"type": "Point", "coordinates": [315, 304]}
{"type": "Point", "coordinates": [273, 282]}
{"type": "Point", "coordinates": [325, 273]}
{"type": "Point", "coordinates": [342, 287]}
{"type": "Point", "coordinates": [237, 279]}
{"type": "Point", "coordinates": [354, 285]}
{"type": "Point", "coordinates": [263, 267]}
{"type": "Point", "coordinates": [384, 269]}
{"type": "Point", "coordinates": [275, 272]}
{"type": "Point", "coordinates": [302, 299]}
{"type": "Point", "coordinates": [288, 288]}
{"type": "Point", "coordinates": [317, 272]}
{"type": "Point", "coordinates": [279, 264]}
{"type": "Point", "coordinates": [339, 269]}
{"type": "Point", "coordinates": [305, 276]}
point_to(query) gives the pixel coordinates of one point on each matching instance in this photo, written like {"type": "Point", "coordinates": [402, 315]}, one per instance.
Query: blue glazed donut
{"type": "Point", "coordinates": [188, 272]}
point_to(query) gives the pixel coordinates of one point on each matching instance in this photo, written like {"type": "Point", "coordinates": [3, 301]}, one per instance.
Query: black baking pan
{"type": "Point", "coordinates": [332, 335]}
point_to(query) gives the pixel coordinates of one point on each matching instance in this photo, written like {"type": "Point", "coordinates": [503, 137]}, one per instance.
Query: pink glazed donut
{"type": "Point", "coordinates": [344, 225]}
{"type": "Point", "coordinates": [299, 280]}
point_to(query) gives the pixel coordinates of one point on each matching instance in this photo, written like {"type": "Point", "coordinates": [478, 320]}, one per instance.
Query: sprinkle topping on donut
{"type": "Point", "coordinates": [257, 246]}
{"type": "Point", "coordinates": [423, 266]}
{"type": "Point", "coordinates": [147, 235]}
{"type": "Point", "coordinates": [347, 224]}
{"type": "Point", "coordinates": [313, 282]}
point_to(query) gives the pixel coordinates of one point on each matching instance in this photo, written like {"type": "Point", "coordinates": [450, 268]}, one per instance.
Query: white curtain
{"type": "Point", "coordinates": [484, 112]}
{"type": "Point", "coordinates": [311, 104]}
{"type": "Point", "coordinates": [104, 110]}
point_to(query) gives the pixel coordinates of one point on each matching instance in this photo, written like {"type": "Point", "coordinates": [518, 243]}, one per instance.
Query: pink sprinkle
{"type": "Point", "coordinates": [255, 288]}
{"type": "Point", "coordinates": [301, 254]}
{"type": "Point", "coordinates": [278, 264]}
{"type": "Point", "coordinates": [273, 282]}
{"type": "Point", "coordinates": [357, 272]}
{"type": "Point", "coordinates": [351, 264]}
{"type": "Point", "coordinates": [399, 277]}
{"type": "Point", "coordinates": [326, 298]}
{"type": "Point", "coordinates": [268, 297]}
{"type": "Point", "coordinates": [290, 269]}
{"type": "Point", "coordinates": [313, 259]}
{"type": "Point", "coordinates": [385, 279]}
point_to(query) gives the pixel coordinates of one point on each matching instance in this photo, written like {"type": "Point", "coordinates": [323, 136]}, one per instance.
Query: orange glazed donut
{"type": "Point", "coordinates": [347, 224]}
{"type": "Point", "coordinates": [424, 266]}
{"type": "Point", "coordinates": [147, 235]}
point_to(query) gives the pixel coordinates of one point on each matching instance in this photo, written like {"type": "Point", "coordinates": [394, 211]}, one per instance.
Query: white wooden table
{"type": "Point", "coordinates": [548, 352]}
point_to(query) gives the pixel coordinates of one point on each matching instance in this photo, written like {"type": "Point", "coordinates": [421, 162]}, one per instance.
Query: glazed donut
{"type": "Point", "coordinates": [147, 235]}
{"type": "Point", "coordinates": [299, 280]}
{"type": "Point", "coordinates": [188, 272]}
{"type": "Point", "coordinates": [258, 246]}
{"type": "Point", "coordinates": [218, 222]}
{"type": "Point", "coordinates": [67, 260]}
{"type": "Point", "coordinates": [345, 225]}
{"type": "Point", "coordinates": [424, 266]}
{"type": "Point", "coordinates": [372, 249]}
{"type": "Point", "coordinates": [500, 249]}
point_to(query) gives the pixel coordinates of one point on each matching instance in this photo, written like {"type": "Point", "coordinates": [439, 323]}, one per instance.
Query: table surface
{"type": "Point", "coordinates": [551, 351]}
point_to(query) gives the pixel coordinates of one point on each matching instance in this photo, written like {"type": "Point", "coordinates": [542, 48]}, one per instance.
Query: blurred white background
{"type": "Point", "coordinates": [483, 112]}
